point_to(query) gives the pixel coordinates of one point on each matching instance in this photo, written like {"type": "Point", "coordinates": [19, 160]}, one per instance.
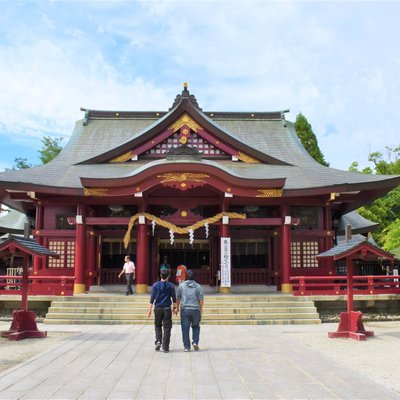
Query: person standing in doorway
{"type": "Point", "coordinates": [165, 264]}
{"type": "Point", "coordinates": [162, 296]}
{"type": "Point", "coordinates": [190, 301]}
{"type": "Point", "coordinates": [129, 270]}
{"type": "Point", "coordinates": [180, 275]}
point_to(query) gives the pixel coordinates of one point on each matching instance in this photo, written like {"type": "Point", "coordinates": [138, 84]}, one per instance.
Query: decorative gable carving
{"type": "Point", "coordinates": [185, 119]}
{"type": "Point", "coordinates": [206, 149]}
{"type": "Point", "coordinates": [183, 181]}
{"type": "Point", "coordinates": [185, 131]}
{"type": "Point", "coordinates": [122, 158]}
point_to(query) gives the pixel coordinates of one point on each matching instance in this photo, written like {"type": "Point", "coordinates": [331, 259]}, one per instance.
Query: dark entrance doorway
{"type": "Point", "coordinates": [194, 256]}
{"type": "Point", "coordinates": [112, 257]}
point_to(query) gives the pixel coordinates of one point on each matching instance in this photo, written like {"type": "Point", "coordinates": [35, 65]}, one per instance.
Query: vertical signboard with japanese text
{"type": "Point", "coordinates": [225, 262]}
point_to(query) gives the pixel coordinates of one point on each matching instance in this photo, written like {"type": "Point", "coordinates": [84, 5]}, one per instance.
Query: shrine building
{"type": "Point", "coordinates": [233, 195]}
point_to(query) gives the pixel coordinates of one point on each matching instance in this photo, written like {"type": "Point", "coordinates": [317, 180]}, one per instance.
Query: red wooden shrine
{"type": "Point", "coordinates": [351, 325]}
{"type": "Point", "coordinates": [23, 323]}
{"type": "Point", "coordinates": [189, 177]}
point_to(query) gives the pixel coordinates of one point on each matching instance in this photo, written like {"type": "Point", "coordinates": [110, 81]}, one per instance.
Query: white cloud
{"type": "Point", "coordinates": [235, 55]}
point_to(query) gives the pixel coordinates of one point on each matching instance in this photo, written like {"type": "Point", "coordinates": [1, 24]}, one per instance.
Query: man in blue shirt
{"type": "Point", "coordinates": [162, 296]}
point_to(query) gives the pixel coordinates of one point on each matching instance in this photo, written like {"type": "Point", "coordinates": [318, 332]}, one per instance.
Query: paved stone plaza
{"type": "Point", "coordinates": [235, 362]}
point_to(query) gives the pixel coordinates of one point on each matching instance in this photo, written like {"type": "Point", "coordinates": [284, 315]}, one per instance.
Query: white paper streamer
{"type": "Point", "coordinates": [191, 236]}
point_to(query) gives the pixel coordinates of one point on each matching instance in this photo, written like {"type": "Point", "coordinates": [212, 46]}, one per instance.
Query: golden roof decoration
{"type": "Point", "coordinates": [182, 177]}
{"type": "Point", "coordinates": [246, 158]}
{"type": "Point", "coordinates": [95, 192]}
{"type": "Point", "coordinates": [122, 158]}
{"type": "Point", "coordinates": [185, 119]}
{"type": "Point", "coordinates": [270, 192]}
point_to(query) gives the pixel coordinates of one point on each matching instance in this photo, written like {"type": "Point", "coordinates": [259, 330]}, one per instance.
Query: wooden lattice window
{"type": "Point", "coordinates": [66, 251]}
{"type": "Point", "coordinates": [303, 254]}
{"type": "Point", "coordinates": [203, 146]}
{"type": "Point", "coordinates": [295, 252]}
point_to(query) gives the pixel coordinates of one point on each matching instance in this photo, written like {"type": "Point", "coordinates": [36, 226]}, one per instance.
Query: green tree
{"type": "Point", "coordinates": [308, 139]}
{"type": "Point", "coordinates": [391, 237]}
{"type": "Point", "coordinates": [354, 168]}
{"type": "Point", "coordinates": [20, 163]}
{"type": "Point", "coordinates": [385, 210]}
{"type": "Point", "coordinates": [50, 149]}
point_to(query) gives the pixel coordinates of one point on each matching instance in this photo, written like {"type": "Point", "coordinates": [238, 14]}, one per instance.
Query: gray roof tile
{"type": "Point", "coordinates": [275, 138]}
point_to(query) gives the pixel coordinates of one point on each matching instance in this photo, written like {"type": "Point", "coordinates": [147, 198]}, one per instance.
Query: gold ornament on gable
{"type": "Point", "coordinates": [270, 192]}
{"type": "Point", "coordinates": [122, 158]}
{"type": "Point", "coordinates": [182, 177]}
{"type": "Point", "coordinates": [247, 159]}
{"type": "Point", "coordinates": [185, 119]}
{"type": "Point", "coordinates": [95, 192]}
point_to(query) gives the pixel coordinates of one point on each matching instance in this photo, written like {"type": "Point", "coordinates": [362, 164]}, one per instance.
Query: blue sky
{"type": "Point", "coordinates": [336, 62]}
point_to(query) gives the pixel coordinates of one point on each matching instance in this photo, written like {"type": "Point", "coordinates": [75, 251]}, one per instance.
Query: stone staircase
{"type": "Point", "coordinates": [219, 309]}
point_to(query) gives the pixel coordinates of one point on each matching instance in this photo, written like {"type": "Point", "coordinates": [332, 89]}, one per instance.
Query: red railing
{"type": "Point", "coordinates": [248, 276]}
{"type": "Point", "coordinates": [38, 285]}
{"type": "Point", "coordinates": [337, 285]}
{"type": "Point", "coordinates": [110, 277]}
{"type": "Point", "coordinates": [244, 276]}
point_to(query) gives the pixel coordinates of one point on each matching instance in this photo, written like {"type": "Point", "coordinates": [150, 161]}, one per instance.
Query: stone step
{"type": "Point", "coordinates": [207, 310]}
{"type": "Point", "coordinates": [207, 305]}
{"type": "Point", "coordinates": [210, 298]}
{"type": "Point", "coordinates": [232, 316]}
{"type": "Point", "coordinates": [284, 321]}
{"type": "Point", "coordinates": [219, 309]}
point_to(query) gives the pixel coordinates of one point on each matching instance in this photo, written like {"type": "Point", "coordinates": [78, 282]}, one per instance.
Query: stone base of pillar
{"type": "Point", "coordinates": [287, 288]}
{"type": "Point", "coordinates": [79, 288]}
{"type": "Point", "coordinates": [225, 290]}
{"type": "Point", "coordinates": [141, 288]}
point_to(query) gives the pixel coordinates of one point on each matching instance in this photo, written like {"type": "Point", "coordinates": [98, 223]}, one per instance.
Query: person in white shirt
{"type": "Point", "coordinates": [129, 270]}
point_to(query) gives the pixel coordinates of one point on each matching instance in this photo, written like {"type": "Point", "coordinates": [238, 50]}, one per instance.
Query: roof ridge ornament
{"type": "Point", "coordinates": [183, 151]}
{"type": "Point", "coordinates": [185, 95]}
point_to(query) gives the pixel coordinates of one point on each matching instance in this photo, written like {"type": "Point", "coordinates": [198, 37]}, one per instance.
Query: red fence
{"type": "Point", "coordinates": [248, 276]}
{"type": "Point", "coordinates": [331, 285]}
{"type": "Point", "coordinates": [38, 285]}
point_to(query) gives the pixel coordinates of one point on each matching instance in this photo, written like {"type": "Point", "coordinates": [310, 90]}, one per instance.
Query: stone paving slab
{"type": "Point", "coordinates": [118, 362]}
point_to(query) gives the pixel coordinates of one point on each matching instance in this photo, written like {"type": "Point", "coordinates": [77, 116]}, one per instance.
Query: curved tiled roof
{"type": "Point", "coordinates": [266, 134]}
{"type": "Point", "coordinates": [358, 223]}
{"type": "Point", "coordinates": [13, 222]}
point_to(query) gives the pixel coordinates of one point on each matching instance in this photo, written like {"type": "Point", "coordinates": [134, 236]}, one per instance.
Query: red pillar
{"type": "Point", "coordinates": [142, 257]}
{"type": "Point", "coordinates": [91, 259]}
{"type": "Point", "coordinates": [328, 262]}
{"type": "Point", "coordinates": [285, 252]}
{"type": "Point", "coordinates": [350, 299]}
{"type": "Point", "coordinates": [24, 297]}
{"type": "Point", "coordinates": [350, 325]}
{"type": "Point", "coordinates": [80, 250]}
{"type": "Point", "coordinates": [37, 261]}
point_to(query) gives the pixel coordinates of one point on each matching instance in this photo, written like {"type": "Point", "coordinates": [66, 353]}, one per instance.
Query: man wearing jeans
{"type": "Point", "coordinates": [190, 299]}
{"type": "Point", "coordinates": [162, 296]}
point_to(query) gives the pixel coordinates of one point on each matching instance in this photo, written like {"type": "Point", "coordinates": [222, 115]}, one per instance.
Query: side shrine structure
{"type": "Point", "coordinates": [233, 195]}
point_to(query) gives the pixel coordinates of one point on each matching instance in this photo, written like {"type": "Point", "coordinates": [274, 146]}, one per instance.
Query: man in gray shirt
{"type": "Point", "coordinates": [190, 300]}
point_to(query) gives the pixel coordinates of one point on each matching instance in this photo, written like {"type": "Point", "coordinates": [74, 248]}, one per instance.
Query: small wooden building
{"type": "Point", "coordinates": [211, 190]}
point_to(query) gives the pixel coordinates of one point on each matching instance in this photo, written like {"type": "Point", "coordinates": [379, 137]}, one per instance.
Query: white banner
{"type": "Point", "coordinates": [225, 262]}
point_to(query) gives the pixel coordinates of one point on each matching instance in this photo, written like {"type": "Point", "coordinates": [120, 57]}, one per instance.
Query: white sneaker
{"type": "Point", "coordinates": [186, 350]}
